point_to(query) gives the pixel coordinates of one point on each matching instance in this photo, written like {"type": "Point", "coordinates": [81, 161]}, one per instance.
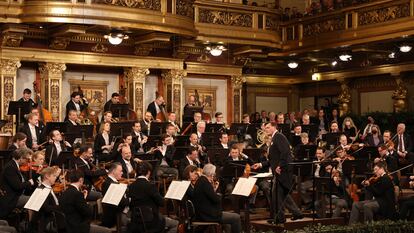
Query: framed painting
{"type": "Point", "coordinates": [204, 96]}
{"type": "Point", "coordinates": [94, 91]}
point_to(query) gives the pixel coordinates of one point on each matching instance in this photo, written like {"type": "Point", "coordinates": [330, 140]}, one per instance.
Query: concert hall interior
{"type": "Point", "coordinates": [206, 115]}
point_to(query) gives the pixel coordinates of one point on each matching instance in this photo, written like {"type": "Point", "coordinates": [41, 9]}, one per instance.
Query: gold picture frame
{"type": "Point", "coordinates": [94, 91]}
{"type": "Point", "coordinates": [205, 96]}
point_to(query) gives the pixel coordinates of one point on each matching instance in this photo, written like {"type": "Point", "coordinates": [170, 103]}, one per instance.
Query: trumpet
{"type": "Point", "coordinates": [114, 120]}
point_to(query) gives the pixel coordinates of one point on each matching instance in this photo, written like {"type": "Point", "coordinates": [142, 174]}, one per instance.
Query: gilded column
{"type": "Point", "coordinates": [400, 96]}
{"type": "Point", "coordinates": [135, 77]}
{"type": "Point", "coordinates": [8, 89]}
{"type": "Point", "coordinates": [176, 78]}
{"type": "Point", "coordinates": [344, 98]}
{"type": "Point", "coordinates": [237, 81]}
{"type": "Point", "coordinates": [51, 77]}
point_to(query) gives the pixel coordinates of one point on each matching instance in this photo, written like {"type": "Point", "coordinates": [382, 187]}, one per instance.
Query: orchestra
{"type": "Point", "coordinates": [127, 152]}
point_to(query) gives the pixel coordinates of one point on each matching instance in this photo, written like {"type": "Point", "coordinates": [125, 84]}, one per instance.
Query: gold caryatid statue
{"type": "Point", "coordinates": [400, 96]}
{"type": "Point", "coordinates": [344, 99]}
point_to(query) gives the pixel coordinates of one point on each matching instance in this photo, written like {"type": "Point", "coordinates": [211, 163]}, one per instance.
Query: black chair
{"type": "Point", "coordinates": [192, 224]}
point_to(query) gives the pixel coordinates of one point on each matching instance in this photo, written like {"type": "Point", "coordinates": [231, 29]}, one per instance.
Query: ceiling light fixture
{"type": "Point", "coordinates": [345, 57]}
{"type": "Point", "coordinates": [405, 48]}
{"type": "Point", "coordinates": [334, 63]}
{"type": "Point", "coordinates": [116, 38]}
{"type": "Point", "coordinates": [293, 65]}
{"type": "Point", "coordinates": [216, 50]}
{"type": "Point", "coordinates": [391, 55]}
{"type": "Point", "coordinates": [316, 76]}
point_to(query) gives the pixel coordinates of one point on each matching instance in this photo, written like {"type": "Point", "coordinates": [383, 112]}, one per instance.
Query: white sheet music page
{"type": "Point", "coordinates": [263, 175]}
{"type": "Point", "coordinates": [244, 186]}
{"type": "Point", "coordinates": [37, 199]}
{"type": "Point", "coordinates": [177, 190]}
{"type": "Point", "coordinates": [114, 194]}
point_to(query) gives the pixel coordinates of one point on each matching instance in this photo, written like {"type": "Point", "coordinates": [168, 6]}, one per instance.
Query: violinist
{"type": "Point", "coordinates": [106, 118]}
{"type": "Point", "coordinates": [75, 104]}
{"type": "Point", "coordinates": [33, 168]}
{"type": "Point", "coordinates": [13, 183]}
{"type": "Point", "coordinates": [72, 118]}
{"type": "Point", "coordinates": [129, 165]}
{"type": "Point", "coordinates": [368, 127]}
{"type": "Point", "coordinates": [56, 146]}
{"type": "Point", "coordinates": [383, 203]}
{"type": "Point", "coordinates": [342, 155]}
{"type": "Point", "coordinates": [138, 138]}
{"type": "Point", "coordinates": [156, 106]}
{"type": "Point", "coordinates": [18, 141]}
{"type": "Point", "coordinates": [404, 145]}
{"type": "Point", "coordinates": [191, 173]}
{"type": "Point", "coordinates": [114, 100]}
{"type": "Point", "coordinates": [164, 155]}
{"type": "Point", "coordinates": [190, 159]}
{"type": "Point", "coordinates": [280, 119]}
{"type": "Point", "coordinates": [110, 212]}
{"type": "Point", "coordinates": [91, 173]}
{"type": "Point", "coordinates": [374, 138]}
{"type": "Point", "coordinates": [197, 117]}
{"type": "Point", "coordinates": [349, 129]}
{"type": "Point", "coordinates": [126, 141]}
{"type": "Point", "coordinates": [264, 184]}
{"type": "Point", "coordinates": [34, 133]}
{"type": "Point", "coordinates": [201, 128]}
{"type": "Point", "coordinates": [103, 144]}
{"type": "Point", "coordinates": [390, 160]}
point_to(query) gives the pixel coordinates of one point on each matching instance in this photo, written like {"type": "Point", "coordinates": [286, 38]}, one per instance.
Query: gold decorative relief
{"type": "Point", "coordinates": [55, 96]}
{"type": "Point", "coordinates": [12, 39]}
{"type": "Point", "coordinates": [59, 43]}
{"type": "Point", "coordinates": [225, 18]}
{"type": "Point", "coordinates": [336, 23]}
{"type": "Point", "coordinates": [272, 22]}
{"type": "Point", "coordinates": [10, 66]}
{"type": "Point", "coordinates": [99, 48]}
{"type": "Point", "coordinates": [175, 78]}
{"type": "Point", "coordinates": [139, 100]}
{"type": "Point", "coordinates": [400, 96]}
{"type": "Point", "coordinates": [8, 81]}
{"type": "Point", "coordinates": [143, 49]}
{"type": "Point", "coordinates": [135, 77]}
{"type": "Point", "coordinates": [142, 4]}
{"type": "Point", "coordinates": [344, 99]}
{"type": "Point", "coordinates": [237, 81]}
{"type": "Point", "coordinates": [383, 14]}
{"type": "Point", "coordinates": [185, 8]}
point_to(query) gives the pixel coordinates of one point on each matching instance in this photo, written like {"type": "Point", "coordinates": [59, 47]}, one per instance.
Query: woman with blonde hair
{"type": "Point", "coordinates": [349, 129]}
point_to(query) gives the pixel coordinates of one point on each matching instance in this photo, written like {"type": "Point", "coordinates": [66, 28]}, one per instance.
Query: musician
{"type": "Point", "coordinates": [304, 140]}
{"type": "Point", "coordinates": [13, 184]}
{"type": "Point", "coordinates": [145, 123]}
{"type": "Point", "coordinates": [114, 100]}
{"type": "Point", "coordinates": [391, 160]}
{"type": "Point", "coordinates": [272, 116]}
{"type": "Point", "coordinates": [164, 155]}
{"type": "Point", "coordinates": [386, 136]}
{"type": "Point", "coordinates": [334, 128]}
{"type": "Point", "coordinates": [156, 106]}
{"type": "Point", "coordinates": [295, 135]}
{"type": "Point", "coordinates": [146, 199]}
{"type": "Point", "coordinates": [34, 133]}
{"type": "Point", "coordinates": [207, 202]}
{"type": "Point", "coordinates": [374, 138]}
{"type": "Point", "coordinates": [306, 119]}
{"type": "Point", "coordinates": [349, 129]}
{"type": "Point", "coordinates": [27, 94]}
{"type": "Point", "coordinates": [264, 184]}
{"type": "Point", "coordinates": [75, 104]}
{"type": "Point", "coordinates": [263, 117]}
{"type": "Point", "coordinates": [110, 212]}
{"type": "Point", "coordinates": [191, 103]}
{"type": "Point", "coordinates": [219, 118]}
{"type": "Point", "coordinates": [34, 168]}
{"type": "Point", "coordinates": [224, 141]}
{"type": "Point", "coordinates": [280, 119]}
{"type": "Point", "coordinates": [367, 129]}
{"type": "Point", "coordinates": [292, 120]}
{"type": "Point", "coordinates": [50, 210]}
{"type": "Point", "coordinates": [172, 119]}
{"type": "Point", "coordinates": [383, 203]}
{"type": "Point", "coordinates": [58, 145]}
{"type": "Point", "coordinates": [73, 204]}
{"type": "Point", "coordinates": [279, 158]}
{"type": "Point", "coordinates": [40, 123]}
{"type": "Point", "coordinates": [335, 116]}
{"type": "Point", "coordinates": [18, 141]}
{"type": "Point", "coordinates": [72, 118]}
{"type": "Point", "coordinates": [171, 130]}
{"type": "Point", "coordinates": [91, 173]}
{"type": "Point", "coordinates": [341, 156]}
{"type": "Point", "coordinates": [322, 122]}
{"type": "Point", "coordinates": [190, 159]}
{"type": "Point", "coordinates": [404, 144]}
{"type": "Point", "coordinates": [106, 118]}
{"type": "Point", "coordinates": [192, 174]}
{"type": "Point", "coordinates": [201, 128]}
{"type": "Point", "coordinates": [197, 117]}
{"type": "Point", "coordinates": [138, 138]}
{"type": "Point", "coordinates": [343, 142]}
{"type": "Point", "coordinates": [246, 118]}
{"type": "Point", "coordinates": [103, 144]}
{"type": "Point", "coordinates": [126, 141]}
{"type": "Point", "coordinates": [194, 143]}
{"type": "Point", "coordinates": [128, 165]}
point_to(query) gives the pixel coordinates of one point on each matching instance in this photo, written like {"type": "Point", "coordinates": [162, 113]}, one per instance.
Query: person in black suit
{"type": "Point", "coordinates": [58, 145]}
{"type": "Point", "coordinates": [18, 141]}
{"type": "Point", "coordinates": [75, 104]}
{"type": "Point", "coordinates": [83, 163]}
{"type": "Point", "coordinates": [189, 104]}
{"type": "Point", "coordinates": [13, 184]}
{"type": "Point", "coordinates": [103, 144]}
{"type": "Point", "coordinates": [383, 192]}
{"type": "Point", "coordinates": [404, 145]}
{"type": "Point", "coordinates": [50, 210]}
{"type": "Point", "coordinates": [74, 206]}
{"type": "Point", "coordinates": [125, 141]}
{"type": "Point", "coordinates": [35, 134]}
{"type": "Point", "coordinates": [114, 100]}
{"type": "Point", "coordinates": [156, 106]}
{"type": "Point", "coordinates": [387, 155]}
{"type": "Point", "coordinates": [145, 123]}
{"type": "Point", "coordinates": [374, 138]}
{"type": "Point", "coordinates": [190, 159]}
{"type": "Point", "coordinates": [172, 119]}
{"type": "Point", "coordinates": [164, 155]}
{"type": "Point", "coordinates": [146, 199]}
{"type": "Point", "coordinates": [138, 138]}
{"type": "Point", "coordinates": [72, 118]}
{"type": "Point", "coordinates": [128, 164]}
{"type": "Point", "coordinates": [27, 94]}
{"type": "Point", "coordinates": [110, 212]}
{"type": "Point", "coordinates": [207, 202]}
{"type": "Point", "coordinates": [224, 141]}
{"type": "Point", "coordinates": [279, 159]}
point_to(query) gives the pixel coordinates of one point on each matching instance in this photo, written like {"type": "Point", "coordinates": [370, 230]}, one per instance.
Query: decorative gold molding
{"type": "Point", "coordinates": [143, 49]}
{"type": "Point", "coordinates": [136, 74]}
{"type": "Point", "coordinates": [12, 39]}
{"type": "Point", "coordinates": [99, 48]}
{"type": "Point", "coordinates": [400, 96]}
{"type": "Point", "coordinates": [136, 82]}
{"type": "Point", "coordinates": [185, 8]}
{"type": "Point", "coordinates": [344, 98]}
{"type": "Point", "coordinates": [385, 14]}
{"type": "Point", "coordinates": [211, 69]}
{"type": "Point", "coordinates": [8, 89]}
{"type": "Point", "coordinates": [226, 18]}
{"type": "Point", "coordinates": [10, 66]}
{"type": "Point", "coordinates": [175, 79]}
{"type": "Point", "coordinates": [237, 81]}
{"type": "Point", "coordinates": [59, 43]}
{"type": "Point", "coordinates": [324, 25]}
{"type": "Point", "coordinates": [154, 5]}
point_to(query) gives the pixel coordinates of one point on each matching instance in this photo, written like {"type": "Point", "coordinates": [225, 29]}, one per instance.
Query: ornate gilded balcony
{"type": "Point", "coordinates": [374, 21]}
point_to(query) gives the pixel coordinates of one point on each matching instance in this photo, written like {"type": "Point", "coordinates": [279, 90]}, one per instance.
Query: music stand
{"type": "Point", "coordinates": [284, 129]}
{"type": "Point", "coordinates": [60, 126]}
{"type": "Point", "coordinates": [368, 152]}
{"type": "Point", "coordinates": [182, 140]}
{"type": "Point", "coordinates": [302, 168]}
{"type": "Point", "coordinates": [119, 110]}
{"type": "Point", "coordinates": [65, 158]}
{"type": "Point", "coordinates": [210, 139]}
{"type": "Point", "coordinates": [214, 128]}
{"type": "Point", "coordinates": [294, 140]}
{"type": "Point", "coordinates": [217, 155]}
{"type": "Point", "coordinates": [356, 167]}
{"type": "Point", "coordinates": [79, 131]}
{"type": "Point", "coordinates": [180, 152]}
{"type": "Point", "coordinates": [312, 131]}
{"type": "Point", "coordinates": [153, 141]}
{"type": "Point", "coordinates": [331, 138]}
{"type": "Point", "coordinates": [253, 153]}
{"type": "Point", "coordinates": [158, 128]}
{"type": "Point", "coordinates": [19, 108]}
{"type": "Point", "coordinates": [238, 128]}
{"type": "Point", "coordinates": [118, 129]}
{"type": "Point", "coordinates": [189, 112]}
{"type": "Point", "coordinates": [306, 152]}
{"type": "Point", "coordinates": [233, 168]}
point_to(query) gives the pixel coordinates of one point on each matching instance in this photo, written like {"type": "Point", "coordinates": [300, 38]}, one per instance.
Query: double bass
{"type": "Point", "coordinates": [44, 114]}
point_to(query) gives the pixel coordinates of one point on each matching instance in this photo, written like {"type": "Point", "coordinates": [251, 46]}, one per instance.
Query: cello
{"type": "Point", "coordinates": [44, 114]}
{"type": "Point", "coordinates": [162, 115]}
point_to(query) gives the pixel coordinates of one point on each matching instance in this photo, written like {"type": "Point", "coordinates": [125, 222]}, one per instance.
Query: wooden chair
{"type": "Point", "coordinates": [192, 224]}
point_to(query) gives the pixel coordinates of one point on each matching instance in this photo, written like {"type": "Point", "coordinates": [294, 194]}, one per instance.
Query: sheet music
{"type": "Point", "coordinates": [177, 190]}
{"type": "Point", "coordinates": [263, 175]}
{"type": "Point", "coordinates": [244, 186]}
{"type": "Point", "coordinates": [37, 199]}
{"type": "Point", "coordinates": [114, 194]}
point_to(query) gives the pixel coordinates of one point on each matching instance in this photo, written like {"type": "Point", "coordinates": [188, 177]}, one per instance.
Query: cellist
{"type": "Point", "coordinates": [156, 108]}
